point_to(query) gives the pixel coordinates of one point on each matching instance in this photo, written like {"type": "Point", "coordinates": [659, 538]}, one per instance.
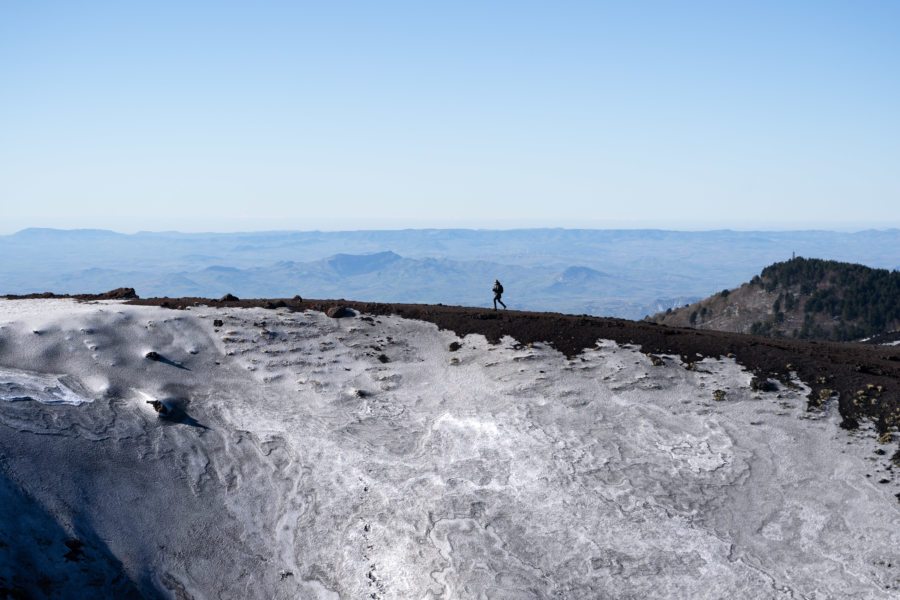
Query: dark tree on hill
{"type": "Point", "coordinates": [863, 301]}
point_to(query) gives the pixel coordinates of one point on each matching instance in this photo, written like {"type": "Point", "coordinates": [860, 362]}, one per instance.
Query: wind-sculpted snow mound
{"type": "Point", "coordinates": [16, 384]}
{"type": "Point", "coordinates": [230, 452]}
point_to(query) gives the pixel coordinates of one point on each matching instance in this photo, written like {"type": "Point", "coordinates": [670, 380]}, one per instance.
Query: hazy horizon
{"type": "Point", "coordinates": [348, 227]}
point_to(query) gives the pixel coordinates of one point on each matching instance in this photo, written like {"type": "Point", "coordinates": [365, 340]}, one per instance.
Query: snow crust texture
{"type": "Point", "coordinates": [307, 457]}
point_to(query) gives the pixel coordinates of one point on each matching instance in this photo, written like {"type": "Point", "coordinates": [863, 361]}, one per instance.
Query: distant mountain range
{"type": "Point", "coordinates": [802, 298]}
{"type": "Point", "coordinates": [624, 273]}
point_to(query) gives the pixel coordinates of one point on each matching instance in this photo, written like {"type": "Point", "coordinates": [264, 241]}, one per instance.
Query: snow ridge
{"type": "Point", "coordinates": [313, 457]}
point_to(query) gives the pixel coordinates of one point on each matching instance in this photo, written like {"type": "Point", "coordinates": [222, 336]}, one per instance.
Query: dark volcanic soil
{"type": "Point", "coordinates": [866, 376]}
{"type": "Point", "coordinates": [116, 294]}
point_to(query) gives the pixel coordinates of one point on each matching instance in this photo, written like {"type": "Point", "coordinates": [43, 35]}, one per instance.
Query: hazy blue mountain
{"type": "Point", "coordinates": [348, 265]}
{"type": "Point", "coordinates": [627, 273]}
{"type": "Point", "coordinates": [575, 279]}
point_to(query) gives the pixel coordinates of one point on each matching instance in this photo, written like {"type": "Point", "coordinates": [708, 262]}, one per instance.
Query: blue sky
{"type": "Point", "coordinates": [275, 115]}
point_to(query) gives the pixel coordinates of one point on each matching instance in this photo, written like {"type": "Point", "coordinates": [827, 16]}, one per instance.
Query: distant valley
{"type": "Point", "coordinates": [625, 273]}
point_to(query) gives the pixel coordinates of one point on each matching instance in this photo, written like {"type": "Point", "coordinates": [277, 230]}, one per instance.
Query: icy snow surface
{"type": "Point", "coordinates": [308, 457]}
{"type": "Point", "coordinates": [16, 384]}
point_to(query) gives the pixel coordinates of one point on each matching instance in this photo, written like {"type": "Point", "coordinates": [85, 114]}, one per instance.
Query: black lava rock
{"type": "Point", "coordinates": [339, 312]}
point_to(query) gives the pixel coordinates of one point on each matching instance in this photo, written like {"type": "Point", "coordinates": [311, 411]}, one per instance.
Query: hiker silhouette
{"type": "Point", "coordinates": [498, 291]}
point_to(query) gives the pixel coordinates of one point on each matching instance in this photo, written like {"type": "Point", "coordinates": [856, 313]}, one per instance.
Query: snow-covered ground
{"type": "Point", "coordinates": [309, 457]}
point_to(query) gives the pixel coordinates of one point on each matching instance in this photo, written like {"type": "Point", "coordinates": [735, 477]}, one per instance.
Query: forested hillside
{"type": "Point", "coordinates": [802, 298]}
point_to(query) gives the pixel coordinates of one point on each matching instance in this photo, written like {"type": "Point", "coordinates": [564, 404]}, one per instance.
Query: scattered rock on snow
{"type": "Point", "coordinates": [761, 384]}
{"type": "Point", "coordinates": [161, 408]}
{"type": "Point", "coordinates": [339, 312]}
{"type": "Point", "coordinates": [75, 552]}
